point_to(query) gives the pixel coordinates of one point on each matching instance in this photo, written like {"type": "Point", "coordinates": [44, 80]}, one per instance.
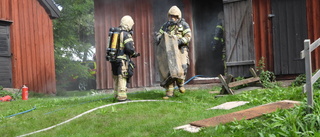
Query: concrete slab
{"type": "Point", "coordinates": [229, 105]}
{"type": "Point", "coordinates": [188, 128]}
{"type": "Point", "coordinates": [214, 92]}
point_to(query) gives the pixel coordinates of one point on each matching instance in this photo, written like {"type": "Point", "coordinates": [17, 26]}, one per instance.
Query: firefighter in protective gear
{"type": "Point", "coordinates": [122, 67]}
{"type": "Point", "coordinates": [177, 26]}
{"type": "Point", "coordinates": [219, 39]}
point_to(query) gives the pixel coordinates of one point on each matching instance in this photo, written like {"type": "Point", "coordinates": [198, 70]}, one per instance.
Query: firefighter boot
{"type": "Point", "coordinates": [182, 89]}
{"type": "Point", "coordinates": [180, 83]}
{"type": "Point", "coordinates": [122, 96]}
{"type": "Point", "coordinates": [169, 92]}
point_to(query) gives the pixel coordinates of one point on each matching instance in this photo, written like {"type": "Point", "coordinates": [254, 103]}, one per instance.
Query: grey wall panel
{"type": "Point", "coordinates": [289, 32]}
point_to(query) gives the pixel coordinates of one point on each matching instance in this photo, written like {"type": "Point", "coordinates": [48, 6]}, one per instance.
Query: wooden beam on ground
{"type": "Point", "coordinates": [224, 83]}
{"type": "Point", "coordinates": [246, 114]}
{"type": "Point", "coordinates": [244, 81]}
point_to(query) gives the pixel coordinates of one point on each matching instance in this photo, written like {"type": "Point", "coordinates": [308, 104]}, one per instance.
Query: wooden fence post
{"type": "Point", "coordinates": [308, 67]}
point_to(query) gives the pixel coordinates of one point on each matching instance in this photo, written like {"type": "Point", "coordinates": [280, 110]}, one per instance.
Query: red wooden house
{"type": "Point", "coordinates": [26, 44]}
{"type": "Point", "coordinates": [273, 29]}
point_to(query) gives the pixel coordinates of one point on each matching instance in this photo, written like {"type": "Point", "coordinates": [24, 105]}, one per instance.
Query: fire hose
{"type": "Point", "coordinates": [112, 97]}
{"type": "Point", "coordinates": [89, 111]}
{"type": "Point", "coordinates": [21, 112]}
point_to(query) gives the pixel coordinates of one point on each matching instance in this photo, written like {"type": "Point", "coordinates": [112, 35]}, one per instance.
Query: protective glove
{"type": "Point", "coordinates": [180, 42]}
{"type": "Point", "coordinates": [157, 39]}
{"type": "Point", "coordinates": [136, 55]}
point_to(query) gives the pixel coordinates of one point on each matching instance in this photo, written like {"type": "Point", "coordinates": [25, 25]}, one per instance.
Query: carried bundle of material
{"type": "Point", "coordinates": [168, 59]}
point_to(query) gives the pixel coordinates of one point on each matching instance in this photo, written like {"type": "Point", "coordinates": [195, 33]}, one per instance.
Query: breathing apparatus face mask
{"type": "Point", "coordinates": [173, 19]}
{"type": "Point", "coordinates": [173, 22]}
{"type": "Point", "coordinates": [131, 31]}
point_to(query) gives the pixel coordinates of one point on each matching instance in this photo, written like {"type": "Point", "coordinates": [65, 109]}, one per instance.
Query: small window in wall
{"type": "Point", "coordinates": [5, 55]}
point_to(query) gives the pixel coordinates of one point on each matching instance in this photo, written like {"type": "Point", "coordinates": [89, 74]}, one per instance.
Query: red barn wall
{"type": "Point", "coordinates": [263, 31]}
{"type": "Point", "coordinates": [31, 38]}
{"type": "Point", "coordinates": [108, 14]}
{"type": "Point", "coordinates": [313, 17]}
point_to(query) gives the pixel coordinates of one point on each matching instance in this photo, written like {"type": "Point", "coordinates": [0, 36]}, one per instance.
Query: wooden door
{"type": "Point", "coordinates": [240, 54]}
{"type": "Point", "coordinates": [5, 57]}
{"type": "Point", "coordinates": [289, 22]}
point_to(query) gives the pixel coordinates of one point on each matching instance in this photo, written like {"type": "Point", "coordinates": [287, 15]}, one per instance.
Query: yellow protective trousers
{"type": "Point", "coordinates": [120, 87]}
{"type": "Point", "coordinates": [177, 81]}
{"type": "Point", "coordinates": [120, 83]}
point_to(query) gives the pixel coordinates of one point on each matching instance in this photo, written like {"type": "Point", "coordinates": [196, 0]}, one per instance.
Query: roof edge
{"type": "Point", "coordinates": [50, 8]}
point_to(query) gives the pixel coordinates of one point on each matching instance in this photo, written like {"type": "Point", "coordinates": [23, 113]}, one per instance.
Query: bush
{"type": "Point", "coordinates": [5, 93]}
{"type": "Point", "coordinates": [69, 72]}
{"type": "Point", "coordinates": [267, 78]}
{"type": "Point", "coordinates": [301, 80]}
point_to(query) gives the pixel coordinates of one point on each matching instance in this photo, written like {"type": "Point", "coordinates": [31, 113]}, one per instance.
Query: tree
{"type": "Point", "coordinates": [73, 37]}
{"type": "Point", "coordinates": [74, 30]}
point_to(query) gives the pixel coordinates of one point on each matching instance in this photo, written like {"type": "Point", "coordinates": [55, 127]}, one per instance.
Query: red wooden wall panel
{"type": "Point", "coordinates": [4, 11]}
{"type": "Point", "coordinates": [15, 40]}
{"type": "Point", "coordinates": [31, 35]}
{"type": "Point", "coordinates": [313, 17]}
{"type": "Point", "coordinates": [263, 30]}
{"type": "Point", "coordinates": [188, 17]}
{"type": "Point", "coordinates": [108, 14]}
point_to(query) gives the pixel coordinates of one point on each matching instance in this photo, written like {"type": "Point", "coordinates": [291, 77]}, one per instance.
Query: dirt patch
{"type": "Point", "coordinates": [285, 83]}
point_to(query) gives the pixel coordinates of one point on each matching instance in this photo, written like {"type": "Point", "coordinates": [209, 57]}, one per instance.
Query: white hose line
{"type": "Point", "coordinates": [89, 112]}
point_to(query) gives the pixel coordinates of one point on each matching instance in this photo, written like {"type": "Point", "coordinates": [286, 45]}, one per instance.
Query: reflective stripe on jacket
{"type": "Point", "coordinates": [180, 29]}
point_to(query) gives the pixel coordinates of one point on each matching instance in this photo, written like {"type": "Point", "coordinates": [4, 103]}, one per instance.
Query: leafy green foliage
{"type": "Point", "coordinates": [267, 78]}
{"type": "Point", "coordinates": [241, 86]}
{"type": "Point", "coordinates": [14, 96]}
{"type": "Point", "coordinates": [295, 122]}
{"type": "Point", "coordinates": [74, 37]}
{"type": "Point", "coordinates": [159, 118]}
{"type": "Point", "coordinates": [74, 30]}
{"type": "Point", "coordinates": [301, 79]}
{"type": "Point", "coordinates": [288, 123]}
{"type": "Point", "coordinates": [71, 71]}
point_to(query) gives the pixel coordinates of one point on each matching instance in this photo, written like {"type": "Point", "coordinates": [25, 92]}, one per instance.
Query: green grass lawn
{"type": "Point", "coordinates": [156, 118]}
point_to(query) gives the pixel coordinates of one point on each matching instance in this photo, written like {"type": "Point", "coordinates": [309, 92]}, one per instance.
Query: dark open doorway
{"type": "Point", "coordinates": [205, 18]}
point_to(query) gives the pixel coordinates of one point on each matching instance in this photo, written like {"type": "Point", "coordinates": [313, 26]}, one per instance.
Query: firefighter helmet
{"type": "Point", "coordinates": [126, 22]}
{"type": "Point", "coordinates": [175, 11]}
{"type": "Point", "coordinates": [220, 15]}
